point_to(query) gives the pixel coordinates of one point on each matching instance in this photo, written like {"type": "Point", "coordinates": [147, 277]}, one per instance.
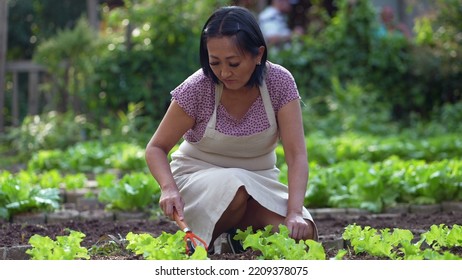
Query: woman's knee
{"type": "Point", "coordinates": [240, 200]}
{"type": "Point", "coordinates": [258, 216]}
{"type": "Point", "coordinates": [313, 231]}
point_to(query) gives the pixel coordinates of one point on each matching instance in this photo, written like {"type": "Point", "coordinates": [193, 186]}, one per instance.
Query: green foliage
{"type": "Point", "coordinates": [50, 130]}
{"type": "Point", "coordinates": [354, 146]}
{"type": "Point", "coordinates": [71, 56]}
{"type": "Point", "coordinates": [134, 192]}
{"type": "Point", "coordinates": [444, 120]}
{"type": "Point", "coordinates": [380, 245]}
{"type": "Point", "coordinates": [20, 33]}
{"type": "Point", "coordinates": [54, 130]}
{"type": "Point", "coordinates": [343, 109]}
{"type": "Point", "coordinates": [30, 22]}
{"type": "Point", "coordinates": [105, 180]}
{"type": "Point", "coordinates": [164, 247]}
{"type": "Point", "coordinates": [74, 181]}
{"type": "Point", "coordinates": [343, 49]}
{"type": "Point", "coordinates": [146, 45]}
{"type": "Point", "coordinates": [441, 236]}
{"type": "Point", "coordinates": [130, 124]}
{"type": "Point", "coordinates": [279, 246]}
{"type": "Point", "coordinates": [402, 77]}
{"type": "Point", "coordinates": [345, 71]}
{"type": "Point", "coordinates": [398, 244]}
{"type": "Point", "coordinates": [52, 179]}
{"type": "Point", "coordinates": [64, 248]}
{"type": "Point", "coordinates": [48, 179]}
{"type": "Point", "coordinates": [359, 184]}
{"type": "Point", "coordinates": [90, 156]}
{"type": "Point", "coordinates": [20, 197]}
{"type": "Point", "coordinates": [441, 52]}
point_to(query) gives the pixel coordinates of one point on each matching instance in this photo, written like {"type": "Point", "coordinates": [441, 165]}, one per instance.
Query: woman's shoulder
{"type": "Point", "coordinates": [195, 93]}
{"type": "Point", "coordinates": [197, 80]}
{"type": "Point", "coordinates": [196, 86]}
{"type": "Point", "coordinates": [277, 71]}
{"type": "Point", "coordinates": [278, 74]}
{"type": "Point", "coordinates": [281, 85]}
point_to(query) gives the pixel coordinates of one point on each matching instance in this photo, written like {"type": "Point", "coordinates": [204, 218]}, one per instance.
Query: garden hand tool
{"type": "Point", "coordinates": [190, 238]}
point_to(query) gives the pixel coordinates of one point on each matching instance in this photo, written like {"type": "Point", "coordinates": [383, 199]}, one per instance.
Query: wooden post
{"type": "Point", "coordinates": [33, 70]}
{"type": "Point", "coordinates": [15, 101]}
{"type": "Point", "coordinates": [3, 47]}
{"type": "Point", "coordinates": [34, 97]}
{"type": "Point", "coordinates": [92, 11]}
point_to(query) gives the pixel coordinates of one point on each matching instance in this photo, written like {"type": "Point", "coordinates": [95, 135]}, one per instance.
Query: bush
{"type": "Point", "coordinates": [409, 77]}
{"type": "Point", "coordinates": [150, 52]}
{"type": "Point", "coordinates": [50, 130]}
{"type": "Point", "coordinates": [71, 56]}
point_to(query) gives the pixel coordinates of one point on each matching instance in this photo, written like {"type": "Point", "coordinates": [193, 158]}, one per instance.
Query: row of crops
{"type": "Point", "coordinates": [95, 157]}
{"type": "Point", "coordinates": [440, 242]}
{"type": "Point", "coordinates": [351, 171]}
{"type": "Point", "coordinates": [27, 191]}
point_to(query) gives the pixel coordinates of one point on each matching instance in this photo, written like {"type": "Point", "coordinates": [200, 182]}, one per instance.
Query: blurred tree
{"type": "Point", "coordinates": [152, 46]}
{"type": "Point", "coordinates": [70, 56]}
{"type": "Point", "coordinates": [30, 22]}
{"type": "Point", "coordinates": [20, 30]}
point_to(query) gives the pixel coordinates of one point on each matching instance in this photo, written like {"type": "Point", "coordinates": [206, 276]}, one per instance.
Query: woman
{"type": "Point", "coordinates": [231, 114]}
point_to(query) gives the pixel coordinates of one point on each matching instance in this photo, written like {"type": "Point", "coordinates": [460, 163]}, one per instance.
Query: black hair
{"type": "Point", "coordinates": [241, 23]}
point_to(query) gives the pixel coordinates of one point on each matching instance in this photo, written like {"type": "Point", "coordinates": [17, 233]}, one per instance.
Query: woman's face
{"type": "Point", "coordinates": [231, 66]}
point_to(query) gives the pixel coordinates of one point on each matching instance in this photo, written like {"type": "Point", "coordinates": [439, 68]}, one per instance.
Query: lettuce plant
{"type": "Point", "coordinates": [164, 247]}
{"type": "Point", "coordinates": [134, 192]}
{"type": "Point", "coordinates": [279, 246]}
{"type": "Point", "coordinates": [441, 236]}
{"type": "Point", "coordinates": [63, 248]}
{"type": "Point", "coordinates": [20, 197]}
{"type": "Point", "coordinates": [398, 244]}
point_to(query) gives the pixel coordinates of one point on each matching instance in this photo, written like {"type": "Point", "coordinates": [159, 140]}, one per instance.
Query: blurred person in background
{"type": "Point", "coordinates": [273, 21]}
{"type": "Point", "coordinates": [389, 25]}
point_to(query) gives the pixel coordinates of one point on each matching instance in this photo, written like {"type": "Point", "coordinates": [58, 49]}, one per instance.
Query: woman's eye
{"type": "Point", "coordinates": [213, 63]}
{"type": "Point", "coordinates": [234, 64]}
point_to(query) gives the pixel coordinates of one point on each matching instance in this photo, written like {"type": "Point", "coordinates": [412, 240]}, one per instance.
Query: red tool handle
{"type": "Point", "coordinates": [190, 238]}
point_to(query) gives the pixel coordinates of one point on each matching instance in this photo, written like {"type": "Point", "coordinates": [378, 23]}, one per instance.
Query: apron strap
{"type": "Point", "coordinates": [269, 110]}
{"type": "Point", "coordinates": [213, 119]}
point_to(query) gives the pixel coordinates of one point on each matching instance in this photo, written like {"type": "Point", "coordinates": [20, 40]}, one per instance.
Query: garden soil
{"type": "Point", "coordinates": [105, 239]}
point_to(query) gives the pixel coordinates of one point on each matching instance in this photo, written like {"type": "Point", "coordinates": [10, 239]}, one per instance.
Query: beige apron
{"type": "Point", "coordinates": [209, 172]}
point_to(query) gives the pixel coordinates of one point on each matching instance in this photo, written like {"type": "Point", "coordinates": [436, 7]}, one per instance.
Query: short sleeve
{"type": "Point", "coordinates": [281, 86]}
{"type": "Point", "coordinates": [191, 93]}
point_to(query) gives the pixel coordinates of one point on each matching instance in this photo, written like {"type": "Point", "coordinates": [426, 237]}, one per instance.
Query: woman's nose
{"type": "Point", "coordinates": [225, 72]}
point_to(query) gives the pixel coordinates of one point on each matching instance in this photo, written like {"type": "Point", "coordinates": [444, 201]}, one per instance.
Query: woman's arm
{"type": "Point", "coordinates": [172, 127]}
{"type": "Point", "coordinates": [293, 141]}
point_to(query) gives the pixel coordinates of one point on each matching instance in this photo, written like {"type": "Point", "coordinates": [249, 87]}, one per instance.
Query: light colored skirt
{"type": "Point", "coordinates": [208, 189]}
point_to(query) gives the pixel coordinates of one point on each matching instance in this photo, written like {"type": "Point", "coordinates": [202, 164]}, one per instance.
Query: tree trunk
{"type": "Point", "coordinates": [92, 11]}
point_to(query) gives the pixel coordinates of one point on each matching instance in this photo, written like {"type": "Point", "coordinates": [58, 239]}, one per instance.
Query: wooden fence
{"type": "Point", "coordinates": [34, 74]}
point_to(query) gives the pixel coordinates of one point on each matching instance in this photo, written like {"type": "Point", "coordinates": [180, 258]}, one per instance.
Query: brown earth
{"type": "Point", "coordinates": [105, 237]}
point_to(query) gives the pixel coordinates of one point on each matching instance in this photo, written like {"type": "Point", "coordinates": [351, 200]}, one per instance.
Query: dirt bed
{"type": "Point", "coordinates": [101, 233]}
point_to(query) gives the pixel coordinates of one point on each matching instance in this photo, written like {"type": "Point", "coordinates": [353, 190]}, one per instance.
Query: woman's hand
{"type": "Point", "coordinates": [171, 199]}
{"type": "Point", "coordinates": [174, 124]}
{"type": "Point", "coordinates": [299, 228]}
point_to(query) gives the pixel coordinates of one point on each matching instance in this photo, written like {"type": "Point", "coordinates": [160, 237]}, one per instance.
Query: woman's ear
{"type": "Point", "coordinates": [261, 50]}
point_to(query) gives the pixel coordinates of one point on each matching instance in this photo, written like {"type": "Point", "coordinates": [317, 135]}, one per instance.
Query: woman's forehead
{"type": "Point", "coordinates": [223, 45]}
